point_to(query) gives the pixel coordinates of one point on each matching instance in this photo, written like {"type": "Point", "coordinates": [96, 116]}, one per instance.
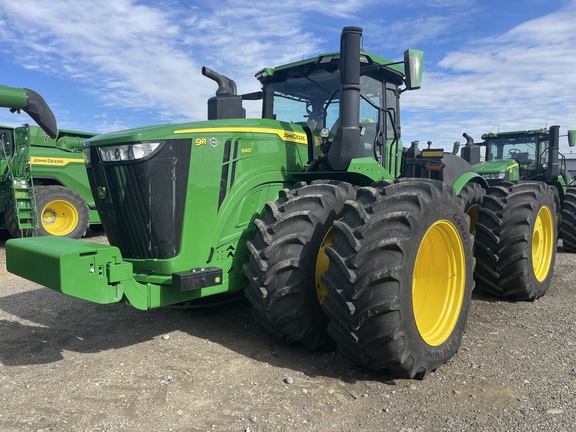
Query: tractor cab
{"type": "Point", "coordinates": [344, 105]}
{"type": "Point", "coordinates": [527, 150]}
{"type": "Point", "coordinates": [309, 93]}
{"type": "Point", "coordinates": [523, 155]}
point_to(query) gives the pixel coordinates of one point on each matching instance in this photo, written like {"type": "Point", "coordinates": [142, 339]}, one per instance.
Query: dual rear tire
{"type": "Point", "coordinates": [287, 258]}
{"type": "Point", "coordinates": [386, 272]}
{"type": "Point", "coordinates": [516, 237]}
{"type": "Point", "coordinates": [401, 277]}
{"type": "Point", "coordinates": [568, 227]}
{"type": "Point", "coordinates": [398, 286]}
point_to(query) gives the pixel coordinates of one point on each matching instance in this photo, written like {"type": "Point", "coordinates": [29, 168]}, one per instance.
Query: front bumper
{"type": "Point", "coordinates": [89, 271]}
{"type": "Point", "coordinates": [97, 273]}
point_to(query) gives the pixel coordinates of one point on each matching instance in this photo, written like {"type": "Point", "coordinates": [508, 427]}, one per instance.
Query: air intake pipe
{"type": "Point", "coordinates": [226, 86]}
{"type": "Point", "coordinates": [348, 143]}
{"type": "Point", "coordinates": [226, 104]}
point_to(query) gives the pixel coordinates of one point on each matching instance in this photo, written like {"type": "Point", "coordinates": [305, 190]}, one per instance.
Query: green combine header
{"type": "Point", "coordinates": [44, 188]}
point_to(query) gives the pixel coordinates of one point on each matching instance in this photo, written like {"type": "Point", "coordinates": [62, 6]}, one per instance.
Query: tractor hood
{"type": "Point", "coordinates": [498, 169]}
{"type": "Point", "coordinates": [147, 182]}
{"type": "Point", "coordinates": [495, 166]}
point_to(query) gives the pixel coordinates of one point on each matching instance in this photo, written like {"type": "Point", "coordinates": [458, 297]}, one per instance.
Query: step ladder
{"type": "Point", "coordinates": [25, 206]}
{"type": "Point", "coordinates": [20, 176]}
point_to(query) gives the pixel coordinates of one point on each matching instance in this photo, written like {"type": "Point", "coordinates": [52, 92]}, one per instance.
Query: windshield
{"type": "Point", "coordinates": [523, 149]}
{"type": "Point", "coordinates": [313, 101]}
{"type": "Point", "coordinates": [5, 143]}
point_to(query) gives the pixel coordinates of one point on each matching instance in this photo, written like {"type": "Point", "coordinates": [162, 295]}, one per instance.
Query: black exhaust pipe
{"type": "Point", "coordinates": [348, 143]}
{"type": "Point", "coordinates": [553, 169]}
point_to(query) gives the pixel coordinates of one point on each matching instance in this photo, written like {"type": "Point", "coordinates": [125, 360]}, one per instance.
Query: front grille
{"type": "Point", "coordinates": [142, 203]}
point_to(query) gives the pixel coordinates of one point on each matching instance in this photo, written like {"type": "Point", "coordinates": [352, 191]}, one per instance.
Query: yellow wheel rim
{"type": "Point", "coordinates": [542, 243]}
{"type": "Point", "coordinates": [438, 283]}
{"type": "Point", "coordinates": [473, 212]}
{"type": "Point", "coordinates": [59, 218]}
{"type": "Point", "coordinates": [322, 262]}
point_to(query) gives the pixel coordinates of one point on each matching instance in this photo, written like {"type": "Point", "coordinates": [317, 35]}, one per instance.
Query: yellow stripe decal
{"type": "Point", "coordinates": [432, 153]}
{"type": "Point", "coordinates": [286, 135]}
{"type": "Point", "coordinates": [52, 161]}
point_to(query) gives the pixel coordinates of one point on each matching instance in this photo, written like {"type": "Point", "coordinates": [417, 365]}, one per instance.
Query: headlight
{"type": "Point", "coordinates": [499, 176]}
{"type": "Point", "coordinates": [127, 152]}
{"type": "Point", "coordinates": [86, 153]}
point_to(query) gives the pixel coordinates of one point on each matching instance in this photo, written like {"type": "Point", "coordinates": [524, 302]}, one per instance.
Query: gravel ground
{"type": "Point", "coordinates": [69, 365]}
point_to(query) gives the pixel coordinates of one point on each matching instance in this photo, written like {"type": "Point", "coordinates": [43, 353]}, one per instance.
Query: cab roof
{"type": "Point", "coordinates": [370, 64]}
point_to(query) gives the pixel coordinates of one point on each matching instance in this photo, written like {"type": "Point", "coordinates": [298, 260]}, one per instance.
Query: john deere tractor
{"type": "Point", "coordinates": [530, 186]}
{"type": "Point", "coordinates": [44, 188]}
{"type": "Point", "coordinates": [339, 236]}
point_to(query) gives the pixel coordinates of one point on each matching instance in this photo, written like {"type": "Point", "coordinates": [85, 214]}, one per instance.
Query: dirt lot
{"type": "Point", "coordinates": [68, 365]}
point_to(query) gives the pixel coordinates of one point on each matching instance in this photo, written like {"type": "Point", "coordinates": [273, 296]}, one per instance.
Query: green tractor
{"type": "Point", "coordinates": [338, 235]}
{"type": "Point", "coordinates": [522, 167]}
{"type": "Point", "coordinates": [524, 155]}
{"type": "Point", "coordinates": [44, 188]}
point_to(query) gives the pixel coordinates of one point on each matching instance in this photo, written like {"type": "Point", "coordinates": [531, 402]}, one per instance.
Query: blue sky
{"type": "Point", "coordinates": [105, 65]}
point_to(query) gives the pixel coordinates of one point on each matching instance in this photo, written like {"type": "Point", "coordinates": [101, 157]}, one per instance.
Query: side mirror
{"type": "Point", "coordinates": [572, 138]}
{"type": "Point", "coordinates": [455, 147]}
{"type": "Point", "coordinates": [413, 65]}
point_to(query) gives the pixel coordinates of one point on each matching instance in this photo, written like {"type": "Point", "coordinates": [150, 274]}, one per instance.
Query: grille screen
{"type": "Point", "coordinates": [142, 207]}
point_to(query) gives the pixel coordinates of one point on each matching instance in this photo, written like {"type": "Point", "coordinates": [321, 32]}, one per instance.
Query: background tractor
{"type": "Point", "coordinates": [519, 213]}
{"type": "Point", "coordinates": [44, 188]}
{"type": "Point", "coordinates": [339, 236]}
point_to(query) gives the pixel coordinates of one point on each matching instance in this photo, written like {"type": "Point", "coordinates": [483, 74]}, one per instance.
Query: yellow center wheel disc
{"type": "Point", "coordinates": [439, 283]}
{"type": "Point", "coordinates": [59, 218]}
{"type": "Point", "coordinates": [542, 244]}
{"type": "Point", "coordinates": [322, 265]}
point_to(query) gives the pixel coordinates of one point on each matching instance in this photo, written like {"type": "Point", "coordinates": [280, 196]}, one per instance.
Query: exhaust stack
{"type": "Point", "coordinates": [553, 170]}
{"type": "Point", "coordinates": [348, 144]}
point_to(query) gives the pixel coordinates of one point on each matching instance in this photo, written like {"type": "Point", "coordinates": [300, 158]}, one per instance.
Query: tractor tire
{"type": "Point", "coordinates": [61, 212]}
{"type": "Point", "coordinates": [516, 237]}
{"type": "Point", "coordinates": [471, 197]}
{"type": "Point", "coordinates": [400, 277]}
{"type": "Point", "coordinates": [11, 222]}
{"type": "Point", "coordinates": [568, 226]}
{"type": "Point", "coordinates": [287, 259]}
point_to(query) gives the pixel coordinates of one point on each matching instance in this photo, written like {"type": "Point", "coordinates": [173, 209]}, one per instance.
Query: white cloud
{"type": "Point", "coordinates": [145, 57]}
{"type": "Point", "coordinates": [132, 55]}
{"type": "Point", "coordinates": [126, 53]}
{"type": "Point", "coordinates": [520, 80]}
